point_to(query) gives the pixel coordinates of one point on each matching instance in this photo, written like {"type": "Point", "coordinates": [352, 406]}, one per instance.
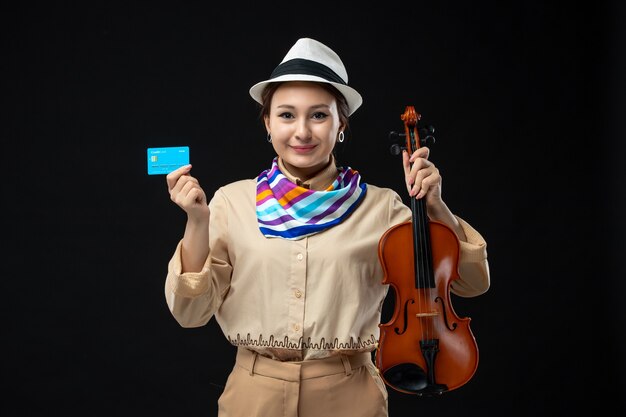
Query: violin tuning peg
{"type": "Point", "coordinates": [398, 142]}
{"type": "Point", "coordinates": [427, 140]}
{"type": "Point", "coordinates": [395, 149]}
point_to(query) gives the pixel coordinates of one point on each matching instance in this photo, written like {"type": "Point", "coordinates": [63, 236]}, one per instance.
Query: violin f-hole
{"type": "Point", "coordinates": [406, 317]}
{"type": "Point", "coordinates": [445, 314]}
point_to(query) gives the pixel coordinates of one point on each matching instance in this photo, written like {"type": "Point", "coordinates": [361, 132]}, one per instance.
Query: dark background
{"type": "Point", "coordinates": [527, 100]}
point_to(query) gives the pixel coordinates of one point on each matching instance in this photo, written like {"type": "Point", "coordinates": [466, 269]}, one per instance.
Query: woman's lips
{"type": "Point", "coordinates": [303, 149]}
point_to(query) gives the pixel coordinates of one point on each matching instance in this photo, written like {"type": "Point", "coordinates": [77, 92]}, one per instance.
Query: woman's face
{"type": "Point", "coordinates": [304, 124]}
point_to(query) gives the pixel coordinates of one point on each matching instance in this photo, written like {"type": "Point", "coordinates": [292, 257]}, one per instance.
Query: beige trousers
{"type": "Point", "coordinates": [341, 386]}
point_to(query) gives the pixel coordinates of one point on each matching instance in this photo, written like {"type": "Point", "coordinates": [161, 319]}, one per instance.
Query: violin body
{"type": "Point", "coordinates": [425, 349]}
{"type": "Point", "coordinates": [423, 314]}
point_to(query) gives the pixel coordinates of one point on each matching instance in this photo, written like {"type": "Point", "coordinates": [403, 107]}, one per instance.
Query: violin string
{"type": "Point", "coordinates": [421, 266]}
{"type": "Point", "coordinates": [426, 268]}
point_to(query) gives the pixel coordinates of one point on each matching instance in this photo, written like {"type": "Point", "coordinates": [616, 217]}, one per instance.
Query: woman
{"type": "Point", "coordinates": [287, 262]}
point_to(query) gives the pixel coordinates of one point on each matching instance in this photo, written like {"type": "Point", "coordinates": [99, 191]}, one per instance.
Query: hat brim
{"type": "Point", "coordinates": [353, 98]}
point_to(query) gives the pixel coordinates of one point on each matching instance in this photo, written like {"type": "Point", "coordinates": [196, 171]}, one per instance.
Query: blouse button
{"type": "Point", "coordinates": [300, 256]}
{"type": "Point", "coordinates": [296, 327]}
{"type": "Point", "coordinates": [298, 293]}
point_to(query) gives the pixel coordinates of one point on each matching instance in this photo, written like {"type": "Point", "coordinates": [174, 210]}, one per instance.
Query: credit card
{"type": "Point", "coordinates": [166, 160]}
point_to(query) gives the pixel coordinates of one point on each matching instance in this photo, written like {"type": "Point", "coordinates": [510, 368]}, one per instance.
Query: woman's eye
{"type": "Point", "coordinates": [286, 115]}
{"type": "Point", "coordinates": [319, 115]}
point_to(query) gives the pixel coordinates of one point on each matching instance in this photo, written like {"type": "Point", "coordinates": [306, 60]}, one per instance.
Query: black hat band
{"type": "Point", "coordinates": [305, 66]}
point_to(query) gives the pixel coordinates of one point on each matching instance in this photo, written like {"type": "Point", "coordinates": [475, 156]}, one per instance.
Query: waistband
{"type": "Point", "coordinates": [295, 371]}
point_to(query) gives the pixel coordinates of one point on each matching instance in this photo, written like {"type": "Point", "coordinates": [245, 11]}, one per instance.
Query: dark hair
{"type": "Point", "coordinates": [342, 103]}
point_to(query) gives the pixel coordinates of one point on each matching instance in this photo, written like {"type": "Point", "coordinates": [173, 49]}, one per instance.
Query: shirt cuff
{"type": "Point", "coordinates": [188, 284]}
{"type": "Point", "coordinates": [475, 248]}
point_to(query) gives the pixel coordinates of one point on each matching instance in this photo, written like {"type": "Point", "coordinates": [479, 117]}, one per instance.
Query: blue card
{"type": "Point", "coordinates": [166, 160]}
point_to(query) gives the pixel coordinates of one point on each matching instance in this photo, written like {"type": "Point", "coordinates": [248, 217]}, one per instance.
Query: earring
{"type": "Point", "coordinates": [341, 136]}
{"type": "Point", "coordinates": [269, 137]}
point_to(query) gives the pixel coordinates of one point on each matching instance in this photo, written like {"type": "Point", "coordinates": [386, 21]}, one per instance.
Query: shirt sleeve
{"type": "Point", "coordinates": [194, 297]}
{"type": "Point", "coordinates": [473, 266]}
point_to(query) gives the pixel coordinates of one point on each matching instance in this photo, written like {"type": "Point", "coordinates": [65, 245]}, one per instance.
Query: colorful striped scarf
{"type": "Point", "coordinates": [292, 212]}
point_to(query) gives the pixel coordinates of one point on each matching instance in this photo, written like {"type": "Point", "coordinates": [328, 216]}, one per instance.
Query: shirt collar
{"type": "Point", "coordinates": [321, 181]}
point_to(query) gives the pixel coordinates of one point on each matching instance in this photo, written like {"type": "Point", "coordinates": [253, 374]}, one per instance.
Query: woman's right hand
{"type": "Point", "coordinates": [186, 192]}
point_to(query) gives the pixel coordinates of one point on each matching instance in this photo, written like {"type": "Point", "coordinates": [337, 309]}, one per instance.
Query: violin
{"type": "Point", "coordinates": [425, 349]}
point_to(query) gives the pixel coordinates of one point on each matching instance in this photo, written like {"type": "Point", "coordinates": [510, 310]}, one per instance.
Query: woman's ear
{"type": "Point", "coordinates": [266, 120]}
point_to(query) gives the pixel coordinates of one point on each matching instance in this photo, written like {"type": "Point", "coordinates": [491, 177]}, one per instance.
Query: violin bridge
{"type": "Point", "coordinates": [431, 314]}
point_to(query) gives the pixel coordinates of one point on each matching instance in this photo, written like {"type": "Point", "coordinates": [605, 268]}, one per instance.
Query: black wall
{"type": "Point", "coordinates": [527, 101]}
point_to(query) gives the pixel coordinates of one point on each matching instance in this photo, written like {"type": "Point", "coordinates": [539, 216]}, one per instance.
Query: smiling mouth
{"type": "Point", "coordinates": [303, 148]}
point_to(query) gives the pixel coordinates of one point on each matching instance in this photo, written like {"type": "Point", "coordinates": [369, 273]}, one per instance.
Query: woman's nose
{"type": "Point", "coordinates": [303, 131]}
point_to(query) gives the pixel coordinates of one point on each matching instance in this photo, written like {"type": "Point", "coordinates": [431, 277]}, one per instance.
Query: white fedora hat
{"type": "Point", "coordinates": [310, 60]}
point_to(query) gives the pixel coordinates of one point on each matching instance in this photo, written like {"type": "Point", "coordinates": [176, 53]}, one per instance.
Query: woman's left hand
{"type": "Point", "coordinates": [422, 179]}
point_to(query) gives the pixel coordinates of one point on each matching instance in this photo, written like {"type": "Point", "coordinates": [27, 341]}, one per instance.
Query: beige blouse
{"type": "Point", "coordinates": [300, 299]}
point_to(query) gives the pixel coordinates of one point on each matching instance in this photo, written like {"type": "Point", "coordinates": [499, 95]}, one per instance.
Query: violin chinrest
{"type": "Point", "coordinates": [406, 377]}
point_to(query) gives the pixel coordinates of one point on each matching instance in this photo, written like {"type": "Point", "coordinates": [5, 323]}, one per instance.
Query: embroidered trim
{"type": "Point", "coordinates": [285, 343]}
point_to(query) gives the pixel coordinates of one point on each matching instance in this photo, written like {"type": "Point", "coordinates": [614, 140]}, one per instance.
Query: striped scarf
{"type": "Point", "coordinates": [287, 210]}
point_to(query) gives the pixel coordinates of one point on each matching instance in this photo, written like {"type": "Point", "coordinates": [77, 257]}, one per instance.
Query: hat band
{"type": "Point", "coordinates": [305, 66]}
